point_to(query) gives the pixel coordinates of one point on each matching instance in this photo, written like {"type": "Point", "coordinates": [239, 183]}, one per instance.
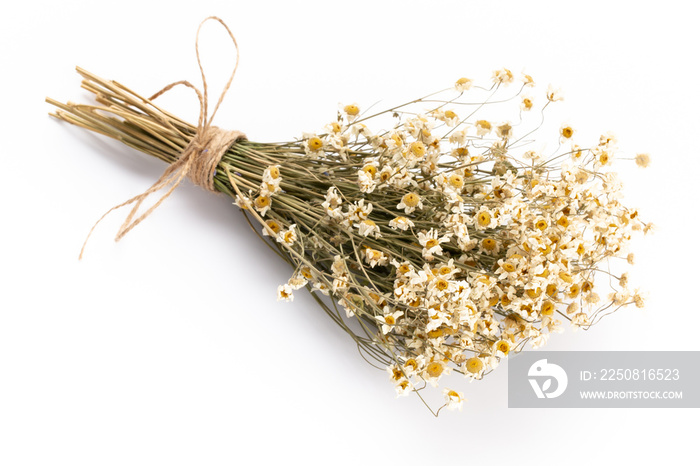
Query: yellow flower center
{"type": "Point", "coordinates": [489, 244]}
{"type": "Point", "coordinates": [371, 170]}
{"type": "Point", "coordinates": [456, 181]}
{"type": "Point", "coordinates": [418, 148]}
{"type": "Point", "coordinates": [508, 267]}
{"type": "Point", "coordinates": [262, 202]}
{"type": "Point", "coordinates": [315, 143]}
{"type": "Point", "coordinates": [437, 333]}
{"type": "Point", "coordinates": [567, 132]}
{"type": "Point", "coordinates": [449, 114]}
{"type": "Point", "coordinates": [411, 363]}
{"type": "Point", "coordinates": [541, 225]}
{"type": "Point", "coordinates": [551, 290]}
{"type": "Point", "coordinates": [390, 320]}
{"type": "Point", "coordinates": [474, 365]}
{"type": "Point", "coordinates": [404, 269]}
{"type": "Point", "coordinates": [505, 76]}
{"type": "Point", "coordinates": [274, 226]}
{"type": "Point", "coordinates": [352, 110]}
{"type": "Point", "coordinates": [274, 172]}
{"type": "Point", "coordinates": [335, 127]}
{"type": "Point", "coordinates": [462, 81]}
{"type": "Point", "coordinates": [563, 221]}
{"type": "Point", "coordinates": [306, 273]}
{"type": "Point", "coordinates": [289, 237]}
{"type": "Point", "coordinates": [503, 346]}
{"type": "Point", "coordinates": [442, 285]}
{"type": "Point", "coordinates": [574, 290]}
{"type": "Point", "coordinates": [461, 151]}
{"type": "Point", "coordinates": [547, 308]}
{"type": "Point", "coordinates": [411, 199]}
{"type": "Point", "coordinates": [431, 243]}
{"type": "Point", "coordinates": [484, 219]}
{"type": "Point", "coordinates": [484, 124]}
{"type": "Point", "coordinates": [434, 369]}
{"type": "Point", "coordinates": [444, 270]}
{"type": "Point", "coordinates": [527, 103]}
{"type": "Point", "coordinates": [566, 277]}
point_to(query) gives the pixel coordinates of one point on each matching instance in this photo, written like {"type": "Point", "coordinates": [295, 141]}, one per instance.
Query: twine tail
{"type": "Point", "coordinates": [163, 181]}
{"type": "Point", "coordinates": [198, 160]}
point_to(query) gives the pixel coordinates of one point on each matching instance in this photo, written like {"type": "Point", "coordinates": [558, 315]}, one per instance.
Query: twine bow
{"type": "Point", "coordinates": [198, 160]}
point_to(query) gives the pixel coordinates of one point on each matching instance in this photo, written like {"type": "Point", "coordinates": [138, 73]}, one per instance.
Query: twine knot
{"type": "Point", "coordinates": [206, 150]}
{"type": "Point", "coordinates": [198, 160]}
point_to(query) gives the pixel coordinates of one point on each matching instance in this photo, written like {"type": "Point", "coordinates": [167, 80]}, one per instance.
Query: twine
{"type": "Point", "coordinates": [198, 160]}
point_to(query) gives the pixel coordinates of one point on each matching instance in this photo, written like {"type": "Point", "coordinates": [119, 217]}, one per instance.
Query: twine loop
{"type": "Point", "coordinates": [198, 161]}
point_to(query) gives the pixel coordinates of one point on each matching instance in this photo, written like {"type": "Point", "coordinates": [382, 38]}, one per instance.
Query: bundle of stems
{"type": "Point", "coordinates": [444, 243]}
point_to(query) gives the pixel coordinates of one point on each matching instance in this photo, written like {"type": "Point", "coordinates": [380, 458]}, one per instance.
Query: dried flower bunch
{"type": "Point", "coordinates": [443, 243]}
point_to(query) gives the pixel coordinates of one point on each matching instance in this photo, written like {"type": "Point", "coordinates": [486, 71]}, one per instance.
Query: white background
{"type": "Point", "coordinates": [169, 347]}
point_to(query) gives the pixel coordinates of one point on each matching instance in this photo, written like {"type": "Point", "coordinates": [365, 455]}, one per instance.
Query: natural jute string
{"type": "Point", "coordinates": [198, 160]}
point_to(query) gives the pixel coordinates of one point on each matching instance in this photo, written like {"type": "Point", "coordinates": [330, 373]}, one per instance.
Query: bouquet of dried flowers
{"type": "Point", "coordinates": [441, 243]}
